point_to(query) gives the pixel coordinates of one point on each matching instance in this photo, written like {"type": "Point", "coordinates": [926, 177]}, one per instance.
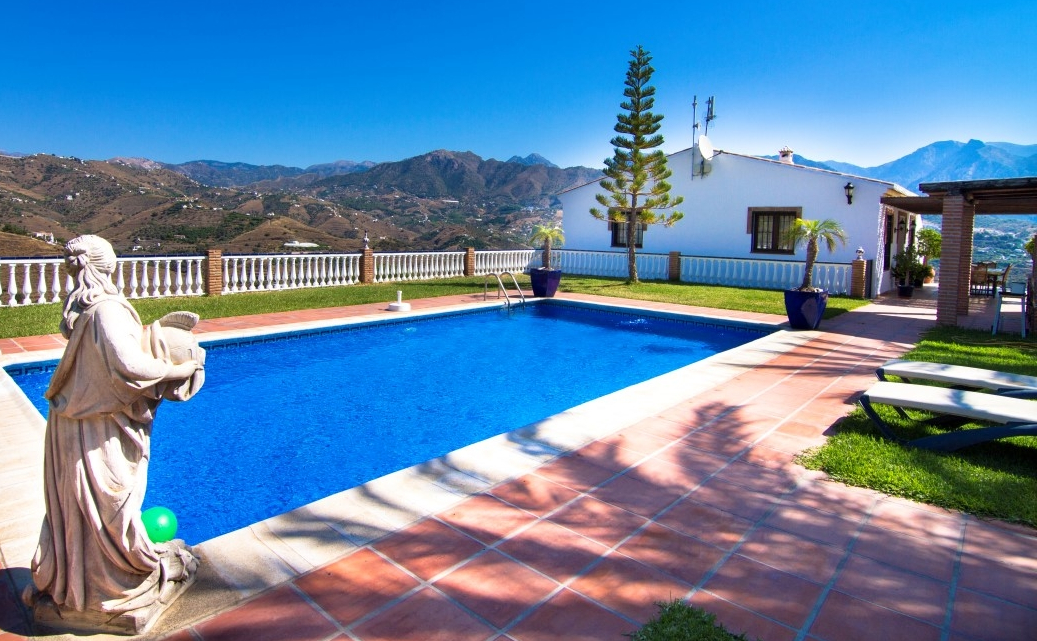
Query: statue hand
{"type": "Point", "coordinates": [182, 371]}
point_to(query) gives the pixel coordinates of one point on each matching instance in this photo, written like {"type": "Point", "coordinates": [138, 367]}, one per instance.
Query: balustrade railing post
{"type": "Point", "coordinates": [367, 266]}
{"type": "Point", "coordinates": [214, 272]}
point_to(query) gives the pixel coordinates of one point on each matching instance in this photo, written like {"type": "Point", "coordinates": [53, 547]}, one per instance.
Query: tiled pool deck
{"type": "Point", "coordinates": [698, 498]}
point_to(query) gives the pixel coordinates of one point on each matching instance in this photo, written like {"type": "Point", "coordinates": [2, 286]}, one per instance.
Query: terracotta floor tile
{"type": "Point", "coordinates": [534, 494]}
{"type": "Point", "coordinates": [793, 554]}
{"type": "Point", "coordinates": [642, 438]}
{"type": "Point", "coordinates": [636, 495]}
{"type": "Point", "coordinates": [1008, 582]}
{"type": "Point", "coordinates": [778, 595]}
{"type": "Point", "coordinates": [915, 520]}
{"type": "Point", "coordinates": [984, 617]}
{"type": "Point", "coordinates": [696, 412]}
{"type": "Point", "coordinates": [599, 521]}
{"type": "Point", "coordinates": [575, 471]}
{"type": "Point", "coordinates": [1002, 542]}
{"type": "Point", "coordinates": [681, 556]}
{"type": "Point", "coordinates": [716, 443]}
{"type": "Point", "coordinates": [706, 523]}
{"type": "Point", "coordinates": [486, 518]}
{"type": "Point", "coordinates": [906, 552]}
{"type": "Point", "coordinates": [681, 466]}
{"type": "Point", "coordinates": [553, 550]}
{"type": "Point", "coordinates": [764, 455]}
{"type": "Point", "coordinates": [610, 456]}
{"type": "Point", "coordinates": [496, 587]}
{"type": "Point", "coordinates": [277, 615]}
{"type": "Point", "coordinates": [661, 427]}
{"type": "Point", "coordinates": [428, 547]}
{"type": "Point", "coordinates": [815, 525]}
{"type": "Point", "coordinates": [350, 588]}
{"type": "Point", "coordinates": [836, 498]}
{"type": "Point", "coordinates": [755, 477]}
{"type": "Point", "coordinates": [572, 617]}
{"type": "Point", "coordinates": [844, 618]}
{"type": "Point", "coordinates": [738, 620]}
{"type": "Point", "coordinates": [425, 616]}
{"type": "Point", "coordinates": [629, 587]}
{"type": "Point", "coordinates": [735, 499]}
{"type": "Point", "coordinates": [746, 423]}
{"type": "Point", "coordinates": [920, 597]}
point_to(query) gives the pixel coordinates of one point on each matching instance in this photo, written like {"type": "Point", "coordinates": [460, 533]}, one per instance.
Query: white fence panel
{"type": "Point", "coordinates": [763, 274]}
{"type": "Point", "coordinates": [512, 260]}
{"type": "Point", "coordinates": [271, 272]}
{"type": "Point", "coordinates": [34, 281]}
{"type": "Point", "coordinates": [417, 266]}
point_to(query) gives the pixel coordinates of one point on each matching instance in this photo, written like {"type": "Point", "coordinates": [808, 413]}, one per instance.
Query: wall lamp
{"type": "Point", "coordinates": [848, 188]}
{"type": "Point", "coordinates": [901, 226]}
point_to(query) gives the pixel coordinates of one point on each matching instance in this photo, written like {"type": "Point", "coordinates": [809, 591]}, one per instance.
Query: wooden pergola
{"type": "Point", "coordinates": [959, 203]}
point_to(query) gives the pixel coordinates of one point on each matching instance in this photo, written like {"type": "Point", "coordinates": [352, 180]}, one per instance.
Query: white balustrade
{"type": "Point", "coordinates": [43, 280]}
{"type": "Point", "coordinates": [288, 271]}
{"type": "Point", "coordinates": [404, 266]}
{"type": "Point", "coordinates": [34, 281]}
{"type": "Point", "coordinates": [509, 260]}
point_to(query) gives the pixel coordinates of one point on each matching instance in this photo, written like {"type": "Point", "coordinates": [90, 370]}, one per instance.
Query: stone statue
{"type": "Point", "coordinates": [95, 567]}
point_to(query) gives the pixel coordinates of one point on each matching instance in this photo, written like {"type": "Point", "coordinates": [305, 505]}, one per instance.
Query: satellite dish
{"type": "Point", "coordinates": [705, 147]}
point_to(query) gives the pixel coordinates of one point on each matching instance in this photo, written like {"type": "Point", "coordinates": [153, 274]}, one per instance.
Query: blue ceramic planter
{"type": "Point", "coordinates": [805, 309]}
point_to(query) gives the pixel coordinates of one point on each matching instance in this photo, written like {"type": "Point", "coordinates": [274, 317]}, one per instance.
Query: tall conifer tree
{"type": "Point", "coordinates": [635, 176]}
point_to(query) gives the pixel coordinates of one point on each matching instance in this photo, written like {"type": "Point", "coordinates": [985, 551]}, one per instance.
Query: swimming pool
{"type": "Point", "coordinates": [325, 411]}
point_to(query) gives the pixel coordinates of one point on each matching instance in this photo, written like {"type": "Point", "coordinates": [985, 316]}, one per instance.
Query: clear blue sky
{"type": "Point", "coordinates": [312, 81]}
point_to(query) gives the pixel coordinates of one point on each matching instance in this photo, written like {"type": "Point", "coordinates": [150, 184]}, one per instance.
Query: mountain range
{"type": "Point", "coordinates": [442, 200]}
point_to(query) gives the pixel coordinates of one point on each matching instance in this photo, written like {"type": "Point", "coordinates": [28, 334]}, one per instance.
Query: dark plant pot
{"type": "Point", "coordinates": [905, 291]}
{"type": "Point", "coordinates": [545, 281]}
{"type": "Point", "coordinates": [805, 309]}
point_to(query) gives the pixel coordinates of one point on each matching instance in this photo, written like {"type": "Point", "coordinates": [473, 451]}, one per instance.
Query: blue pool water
{"type": "Point", "coordinates": [293, 418]}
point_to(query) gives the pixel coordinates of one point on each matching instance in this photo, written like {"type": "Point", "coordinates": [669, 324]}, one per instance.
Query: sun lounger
{"type": "Point", "coordinates": [1008, 416]}
{"type": "Point", "coordinates": [961, 377]}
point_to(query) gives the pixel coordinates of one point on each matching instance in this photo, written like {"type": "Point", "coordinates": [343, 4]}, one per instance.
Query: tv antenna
{"type": "Point", "coordinates": [710, 114]}
{"type": "Point", "coordinates": [701, 143]}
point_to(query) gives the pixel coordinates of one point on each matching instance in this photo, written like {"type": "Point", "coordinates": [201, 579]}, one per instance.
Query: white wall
{"type": "Point", "coordinates": [716, 207]}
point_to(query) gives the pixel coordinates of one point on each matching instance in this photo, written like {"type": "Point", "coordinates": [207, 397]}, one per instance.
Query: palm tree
{"type": "Point", "coordinates": [547, 235]}
{"type": "Point", "coordinates": [814, 232]}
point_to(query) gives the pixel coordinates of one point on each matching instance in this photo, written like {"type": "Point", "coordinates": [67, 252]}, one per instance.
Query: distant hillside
{"type": "Point", "coordinates": [951, 160]}
{"type": "Point", "coordinates": [440, 201]}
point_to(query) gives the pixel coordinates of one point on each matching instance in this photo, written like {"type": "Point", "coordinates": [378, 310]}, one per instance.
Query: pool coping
{"type": "Point", "coordinates": [260, 556]}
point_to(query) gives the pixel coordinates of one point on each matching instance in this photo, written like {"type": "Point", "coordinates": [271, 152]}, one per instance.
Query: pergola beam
{"type": "Point", "coordinates": [959, 202]}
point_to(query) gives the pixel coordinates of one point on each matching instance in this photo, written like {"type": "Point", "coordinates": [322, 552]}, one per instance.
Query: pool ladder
{"type": "Point", "coordinates": [501, 287]}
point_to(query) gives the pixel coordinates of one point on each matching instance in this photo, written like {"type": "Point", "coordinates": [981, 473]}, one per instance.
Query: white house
{"type": "Point", "coordinates": [735, 206]}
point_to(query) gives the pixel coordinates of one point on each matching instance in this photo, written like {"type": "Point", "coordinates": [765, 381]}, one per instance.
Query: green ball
{"type": "Point", "coordinates": [160, 524]}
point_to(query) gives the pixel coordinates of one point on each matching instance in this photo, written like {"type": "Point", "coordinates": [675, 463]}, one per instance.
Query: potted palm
{"type": "Point", "coordinates": [805, 305]}
{"type": "Point", "coordinates": [905, 269]}
{"type": "Point", "coordinates": [545, 279]}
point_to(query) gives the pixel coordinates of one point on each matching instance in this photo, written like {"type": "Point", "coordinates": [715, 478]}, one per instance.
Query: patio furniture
{"type": "Point", "coordinates": [1003, 417]}
{"type": "Point", "coordinates": [961, 377]}
{"type": "Point", "coordinates": [979, 282]}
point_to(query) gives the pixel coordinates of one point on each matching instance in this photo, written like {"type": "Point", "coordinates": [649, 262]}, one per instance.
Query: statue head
{"type": "Point", "coordinates": [90, 252]}
{"type": "Point", "coordinates": [90, 261]}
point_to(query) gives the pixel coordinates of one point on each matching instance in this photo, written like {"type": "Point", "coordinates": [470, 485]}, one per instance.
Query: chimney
{"type": "Point", "coordinates": [785, 155]}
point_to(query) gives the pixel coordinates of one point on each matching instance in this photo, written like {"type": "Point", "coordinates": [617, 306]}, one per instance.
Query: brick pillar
{"type": "Point", "coordinates": [675, 266]}
{"type": "Point", "coordinates": [956, 260]}
{"type": "Point", "coordinates": [858, 275]}
{"type": "Point", "coordinates": [367, 266]}
{"type": "Point", "coordinates": [469, 261]}
{"type": "Point", "coordinates": [214, 272]}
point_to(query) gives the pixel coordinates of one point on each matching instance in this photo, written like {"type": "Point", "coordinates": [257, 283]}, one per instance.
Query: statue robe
{"type": "Point", "coordinates": [94, 553]}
